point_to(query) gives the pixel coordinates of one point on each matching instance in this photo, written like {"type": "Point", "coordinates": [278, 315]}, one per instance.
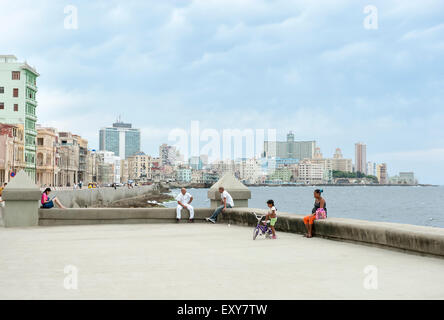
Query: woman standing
{"type": "Point", "coordinates": [320, 206]}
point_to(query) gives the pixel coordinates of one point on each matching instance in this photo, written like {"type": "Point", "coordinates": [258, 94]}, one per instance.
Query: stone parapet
{"type": "Point", "coordinates": [238, 191]}
{"type": "Point", "coordinates": [424, 240]}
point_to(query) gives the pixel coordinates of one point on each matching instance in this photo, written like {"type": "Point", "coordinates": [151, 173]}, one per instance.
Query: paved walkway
{"type": "Point", "coordinates": [203, 261]}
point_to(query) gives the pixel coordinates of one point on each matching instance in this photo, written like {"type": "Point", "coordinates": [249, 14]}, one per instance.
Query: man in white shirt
{"type": "Point", "coordinates": [227, 202]}
{"type": "Point", "coordinates": [183, 202]}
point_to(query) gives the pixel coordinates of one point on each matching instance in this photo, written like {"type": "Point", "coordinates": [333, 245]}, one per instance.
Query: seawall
{"type": "Point", "coordinates": [86, 198]}
{"type": "Point", "coordinates": [418, 239]}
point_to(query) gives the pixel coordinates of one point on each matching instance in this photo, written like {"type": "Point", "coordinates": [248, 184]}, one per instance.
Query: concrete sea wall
{"type": "Point", "coordinates": [24, 213]}
{"type": "Point", "coordinates": [424, 240]}
{"type": "Point", "coordinates": [86, 198]}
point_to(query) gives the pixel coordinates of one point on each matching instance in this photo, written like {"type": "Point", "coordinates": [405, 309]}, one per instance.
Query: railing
{"type": "Point", "coordinates": [30, 100]}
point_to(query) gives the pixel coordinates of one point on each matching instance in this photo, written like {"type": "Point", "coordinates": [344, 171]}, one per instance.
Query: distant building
{"type": "Point", "coordinates": [313, 172]}
{"type": "Point", "coordinates": [121, 139]}
{"type": "Point", "coordinates": [381, 173]}
{"type": "Point", "coordinates": [197, 176]}
{"type": "Point", "coordinates": [338, 154]}
{"type": "Point", "coordinates": [12, 150]}
{"type": "Point", "coordinates": [18, 89]}
{"type": "Point", "coordinates": [105, 173]}
{"type": "Point", "coordinates": [225, 166]}
{"type": "Point", "coordinates": [371, 168]}
{"type": "Point", "coordinates": [183, 175]}
{"type": "Point", "coordinates": [47, 156]}
{"type": "Point", "coordinates": [250, 170]}
{"type": "Point", "coordinates": [140, 167]}
{"type": "Point", "coordinates": [318, 154]}
{"type": "Point", "coordinates": [68, 150]}
{"type": "Point", "coordinates": [109, 168]}
{"type": "Point", "coordinates": [269, 165]}
{"type": "Point", "coordinates": [210, 178]}
{"type": "Point", "coordinates": [124, 170]}
{"type": "Point", "coordinates": [407, 177]}
{"type": "Point", "coordinates": [168, 155]}
{"type": "Point", "coordinates": [339, 163]}
{"type": "Point", "coordinates": [290, 149]}
{"type": "Point", "coordinates": [404, 178]}
{"type": "Point", "coordinates": [204, 159]}
{"type": "Point", "coordinates": [83, 153]}
{"type": "Point", "coordinates": [196, 163]}
{"type": "Point", "coordinates": [361, 157]}
{"type": "Point", "coordinates": [283, 175]}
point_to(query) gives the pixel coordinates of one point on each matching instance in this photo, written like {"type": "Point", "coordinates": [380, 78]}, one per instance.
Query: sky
{"type": "Point", "coordinates": [313, 67]}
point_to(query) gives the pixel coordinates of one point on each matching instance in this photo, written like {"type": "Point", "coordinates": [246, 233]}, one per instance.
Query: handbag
{"type": "Point", "coordinates": [321, 214]}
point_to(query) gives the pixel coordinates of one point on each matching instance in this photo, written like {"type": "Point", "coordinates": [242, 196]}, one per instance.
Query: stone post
{"type": "Point", "coordinates": [21, 197]}
{"type": "Point", "coordinates": [234, 187]}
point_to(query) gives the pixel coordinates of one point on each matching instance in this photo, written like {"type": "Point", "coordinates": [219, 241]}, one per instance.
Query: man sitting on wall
{"type": "Point", "coordinates": [183, 202]}
{"type": "Point", "coordinates": [226, 201]}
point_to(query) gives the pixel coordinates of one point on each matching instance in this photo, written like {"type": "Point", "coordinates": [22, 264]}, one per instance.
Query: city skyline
{"type": "Point", "coordinates": [275, 64]}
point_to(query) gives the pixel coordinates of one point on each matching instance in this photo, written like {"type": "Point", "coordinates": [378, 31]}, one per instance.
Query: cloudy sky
{"type": "Point", "coordinates": [307, 66]}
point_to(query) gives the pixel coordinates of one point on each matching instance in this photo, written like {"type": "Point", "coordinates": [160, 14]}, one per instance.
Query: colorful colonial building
{"type": "Point", "coordinates": [18, 89]}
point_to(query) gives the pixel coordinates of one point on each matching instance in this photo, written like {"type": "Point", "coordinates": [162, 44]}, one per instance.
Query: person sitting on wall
{"type": "Point", "coordinates": [319, 212]}
{"type": "Point", "coordinates": [2, 188]}
{"type": "Point", "coordinates": [226, 201]}
{"type": "Point", "coordinates": [2, 202]}
{"type": "Point", "coordinates": [183, 202]}
{"type": "Point", "coordinates": [48, 203]}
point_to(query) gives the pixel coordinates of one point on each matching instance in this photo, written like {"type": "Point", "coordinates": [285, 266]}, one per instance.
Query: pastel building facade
{"type": "Point", "coordinates": [183, 175]}
{"type": "Point", "coordinates": [18, 90]}
{"type": "Point", "coordinates": [47, 157]}
{"type": "Point", "coordinates": [12, 150]}
{"type": "Point", "coordinates": [381, 173]}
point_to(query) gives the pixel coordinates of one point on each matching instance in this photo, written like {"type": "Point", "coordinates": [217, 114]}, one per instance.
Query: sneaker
{"type": "Point", "coordinates": [191, 220]}
{"type": "Point", "coordinates": [177, 220]}
{"type": "Point", "coordinates": [211, 220]}
{"type": "Point", "coordinates": [273, 237]}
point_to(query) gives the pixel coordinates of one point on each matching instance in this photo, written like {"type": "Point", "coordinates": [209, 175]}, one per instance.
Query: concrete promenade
{"type": "Point", "coordinates": [410, 238]}
{"type": "Point", "coordinates": [203, 261]}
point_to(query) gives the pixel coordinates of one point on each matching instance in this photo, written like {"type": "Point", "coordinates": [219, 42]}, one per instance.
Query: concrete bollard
{"type": "Point", "coordinates": [21, 197]}
{"type": "Point", "coordinates": [234, 187]}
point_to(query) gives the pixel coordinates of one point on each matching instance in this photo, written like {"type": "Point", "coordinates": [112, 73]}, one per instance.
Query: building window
{"type": "Point", "coordinates": [2, 105]}
{"type": "Point", "coordinates": [15, 92]}
{"type": "Point", "coordinates": [16, 107]}
{"type": "Point", "coordinates": [15, 75]}
{"type": "Point", "coordinates": [40, 141]}
{"type": "Point", "coordinates": [2, 89]}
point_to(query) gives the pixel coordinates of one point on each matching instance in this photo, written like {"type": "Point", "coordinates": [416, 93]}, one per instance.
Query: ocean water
{"type": "Point", "coordinates": [422, 206]}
